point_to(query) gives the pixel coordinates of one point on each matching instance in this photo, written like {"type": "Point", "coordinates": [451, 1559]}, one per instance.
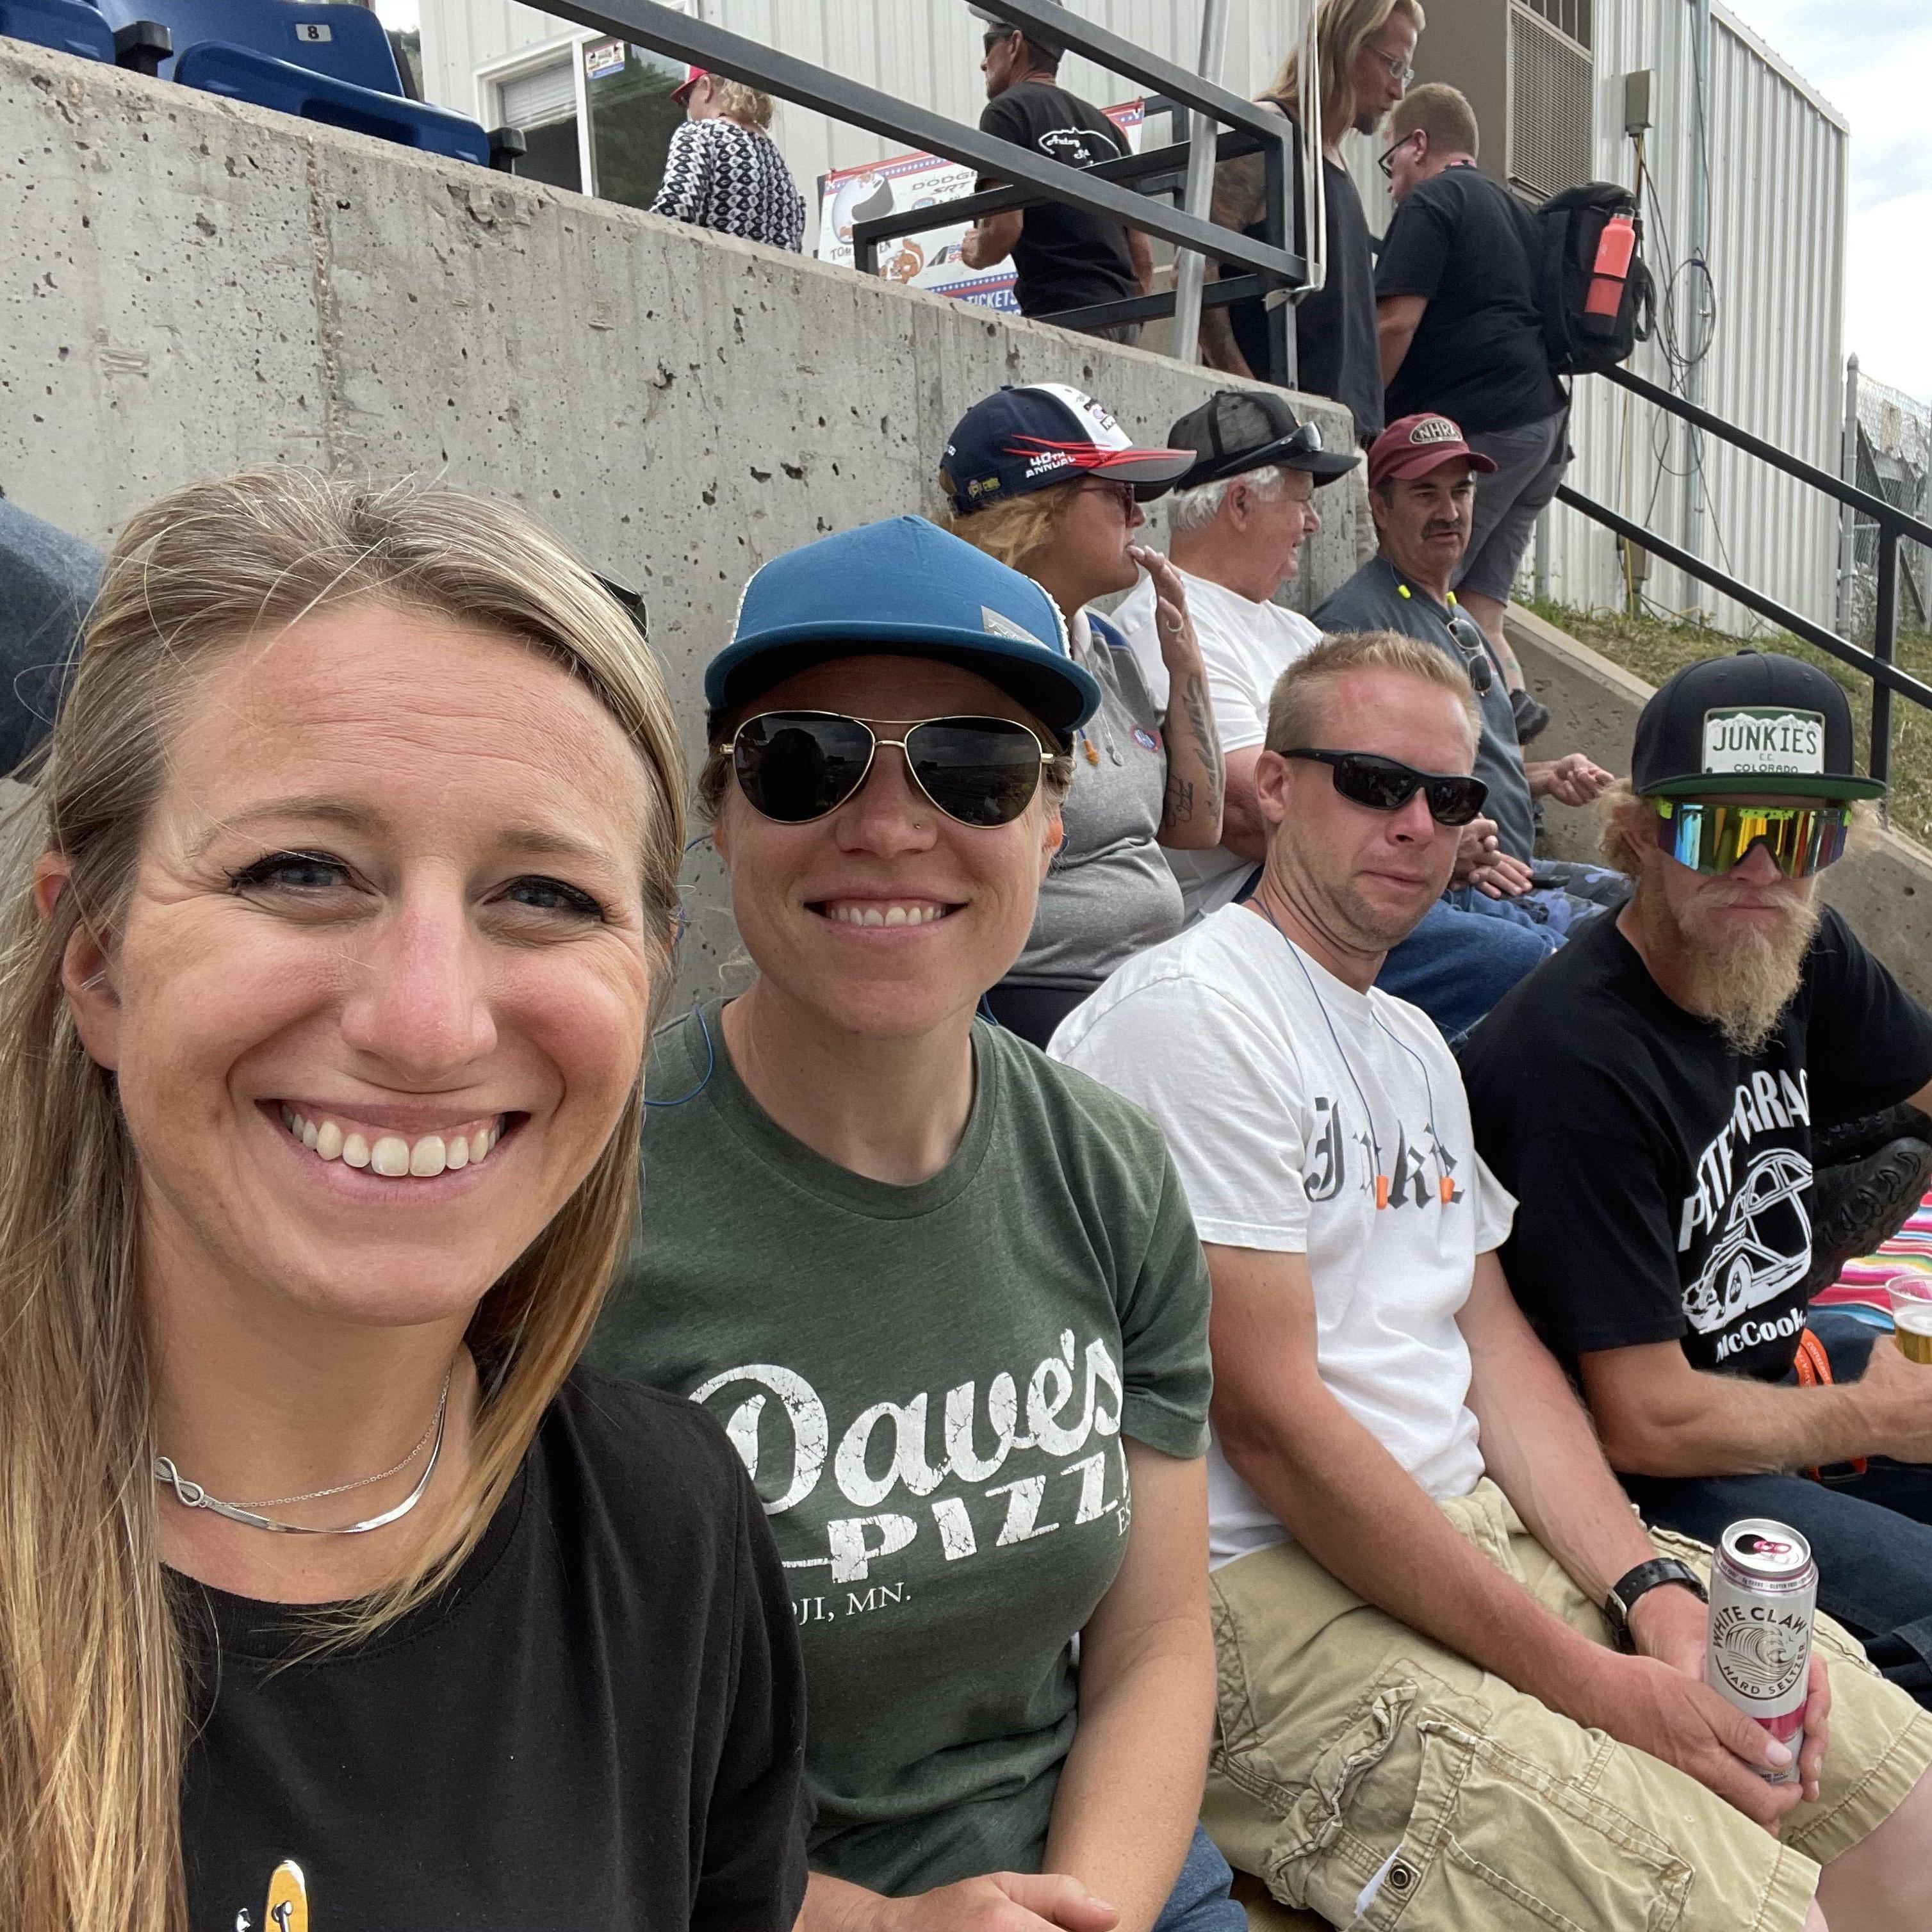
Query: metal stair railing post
{"type": "Point", "coordinates": [665, 30]}
{"type": "Point", "coordinates": [1880, 663]}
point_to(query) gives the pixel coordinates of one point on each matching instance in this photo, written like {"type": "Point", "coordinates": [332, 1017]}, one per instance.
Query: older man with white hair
{"type": "Point", "coordinates": [1235, 528]}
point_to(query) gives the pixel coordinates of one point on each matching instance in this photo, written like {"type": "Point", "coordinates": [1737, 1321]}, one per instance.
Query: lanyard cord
{"type": "Point", "coordinates": [1335, 1039]}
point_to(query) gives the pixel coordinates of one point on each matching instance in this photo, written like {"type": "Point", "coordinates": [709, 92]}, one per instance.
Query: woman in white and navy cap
{"type": "Point", "coordinates": [1042, 478]}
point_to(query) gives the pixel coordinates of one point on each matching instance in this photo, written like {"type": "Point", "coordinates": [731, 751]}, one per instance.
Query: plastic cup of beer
{"type": "Point", "coordinates": [1911, 1297]}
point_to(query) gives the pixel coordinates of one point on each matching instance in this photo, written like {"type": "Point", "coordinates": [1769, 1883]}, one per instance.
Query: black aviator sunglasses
{"type": "Point", "coordinates": [794, 766]}
{"type": "Point", "coordinates": [1386, 785]}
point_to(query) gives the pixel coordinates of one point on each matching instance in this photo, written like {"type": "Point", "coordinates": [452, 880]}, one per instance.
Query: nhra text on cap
{"type": "Point", "coordinates": [1757, 723]}
{"type": "Point", "coordinates": [1236, 430]}
{"type": "Point", "coordinates": [1413, 446]}
{"type": "Point", "coordinates": [1031, 437]}
{"type": "Point", "coordinates": [902, 588]}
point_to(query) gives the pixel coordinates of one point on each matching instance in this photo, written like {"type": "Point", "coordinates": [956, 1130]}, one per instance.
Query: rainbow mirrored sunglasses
{"type": "Point", "coordinates": [1711, 835]}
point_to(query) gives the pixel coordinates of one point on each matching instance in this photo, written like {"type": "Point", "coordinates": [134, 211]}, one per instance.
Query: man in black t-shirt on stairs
{"type": "Point", "coordinates": [1064, 258]}
{"type": "Point", "coordinates": [1656, 1095]}
{"type": "Point", "coordinates": [1461, 334]}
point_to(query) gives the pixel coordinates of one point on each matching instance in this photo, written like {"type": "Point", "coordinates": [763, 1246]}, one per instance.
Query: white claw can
{"type": "Point", "coordinates": [1764, 1592]}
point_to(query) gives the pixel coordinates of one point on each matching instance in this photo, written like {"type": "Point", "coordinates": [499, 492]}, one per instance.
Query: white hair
{"type": "Point", "coordinates": [1194, 509]}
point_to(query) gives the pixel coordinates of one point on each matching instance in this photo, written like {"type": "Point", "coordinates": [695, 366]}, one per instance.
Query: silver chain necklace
{"type": "Point", "coordinates": [192, 1495]}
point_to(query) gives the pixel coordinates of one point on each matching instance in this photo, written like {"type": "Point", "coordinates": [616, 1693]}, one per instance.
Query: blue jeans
{"type": "Point", "coordinates": [1871, 1534]}
{"type": "Point", "coordinates": [1457, 964]}
{"type": "Point", "coordinates": [1200, 1901]}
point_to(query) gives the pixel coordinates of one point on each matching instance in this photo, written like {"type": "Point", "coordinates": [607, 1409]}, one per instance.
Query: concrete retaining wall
{"type": "Point", "coordinates": [192, 286]}
{"type": "Point", "coordinates": [1886, 893]}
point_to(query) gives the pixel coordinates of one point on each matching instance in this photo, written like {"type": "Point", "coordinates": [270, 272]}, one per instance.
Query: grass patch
{"type": "Point", "coordinates": [1653, 647]}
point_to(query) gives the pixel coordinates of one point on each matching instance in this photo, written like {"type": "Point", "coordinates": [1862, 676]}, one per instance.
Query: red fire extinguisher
{"type": "Point", "coordinates": [1609, 273]}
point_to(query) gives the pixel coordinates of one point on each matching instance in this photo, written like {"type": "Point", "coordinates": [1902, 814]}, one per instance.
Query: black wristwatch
{"type": "Point", "coordinates": [1646, 1576]}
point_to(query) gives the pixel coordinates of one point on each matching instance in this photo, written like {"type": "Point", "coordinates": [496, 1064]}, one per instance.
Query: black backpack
{"type": "Point", "coordinates": [1597, 297]}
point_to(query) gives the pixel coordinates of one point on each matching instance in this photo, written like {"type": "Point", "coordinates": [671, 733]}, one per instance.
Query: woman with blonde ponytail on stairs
{"type": "Point", "coordinates": [331, 1590]}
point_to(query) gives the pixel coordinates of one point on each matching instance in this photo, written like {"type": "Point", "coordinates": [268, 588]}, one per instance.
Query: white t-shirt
{"type": "Point", "coordinates": [1284, 1094]}
{"type": "Point", "coordinates": [1245, 646]}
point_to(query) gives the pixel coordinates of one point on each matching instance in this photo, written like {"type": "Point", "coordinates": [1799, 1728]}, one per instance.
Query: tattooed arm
{"type": "Point", "coordinates": [1190, 817]}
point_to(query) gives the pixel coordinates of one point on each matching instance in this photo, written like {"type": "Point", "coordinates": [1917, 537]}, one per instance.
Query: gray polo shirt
{"type": "Point", "coordinates": [1379, 597]}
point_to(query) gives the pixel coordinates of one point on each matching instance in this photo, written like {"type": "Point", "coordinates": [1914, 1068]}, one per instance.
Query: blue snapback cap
{"type": "Point", "coordinates": [903, 587]}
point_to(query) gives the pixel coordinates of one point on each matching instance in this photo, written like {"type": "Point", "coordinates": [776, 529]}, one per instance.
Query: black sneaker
{"type": "Point", "coordinates": [1857, 1206]}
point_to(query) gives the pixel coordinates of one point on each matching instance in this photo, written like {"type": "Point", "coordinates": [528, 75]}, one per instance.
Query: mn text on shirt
{"type": "Point", "coordinates": [721, 174]}
{"type": "Point", "coordinates": [1245, 647]}
{"type": "Point", "coordinates": [598, 1723]}
{"type": "Point", "coordinates": [1290, 1102]}
{"type": "Point", "coordinates": [1665, 1178]}
{"type": "Point", "coordinates": [930, 1385]}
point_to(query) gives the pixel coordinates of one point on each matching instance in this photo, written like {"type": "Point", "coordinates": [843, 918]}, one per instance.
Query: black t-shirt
{"type": "Point", "coordinates": [1066, 258]}
{"type": "Point", "coordinates": [1465, 242]}
{"type": "Point", "coordinates": [599, 1722]}
{"type": "Point", "coordinates": [1663, 1179]}
{"type": "Point", "coordinates": [1336, 352]}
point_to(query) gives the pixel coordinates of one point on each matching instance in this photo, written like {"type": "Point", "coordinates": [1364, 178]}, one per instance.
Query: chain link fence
{"type": "Point", "coordinates": [1895, 461]}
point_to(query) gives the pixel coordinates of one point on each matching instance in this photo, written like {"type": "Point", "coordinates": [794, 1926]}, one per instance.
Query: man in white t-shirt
{"type": "Point", "coordinates": [1238, 520]}
{"type": "Point", "coordinates": [1460, 1685]}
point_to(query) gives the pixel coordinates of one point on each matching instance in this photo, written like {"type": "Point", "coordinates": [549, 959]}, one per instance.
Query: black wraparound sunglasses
{"type": "Point", "coordinates": [796, 766]}
{"type": "Point", "coordinates": [1386, 785]}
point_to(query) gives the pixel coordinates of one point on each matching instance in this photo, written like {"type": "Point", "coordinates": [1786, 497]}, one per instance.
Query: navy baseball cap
{"type": "Point", "coordinates": [1757, 721]}
{"type": "Point", "coordinates": [902, 588]}
{"type": "Point", "coordinates": [1030, 438]}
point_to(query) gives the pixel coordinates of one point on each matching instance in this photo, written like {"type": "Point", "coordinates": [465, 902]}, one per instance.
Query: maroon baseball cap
{"type": "Point", "coordinates": [692, 76]}
{"type": "Point", "coordinates": [1414, 445]}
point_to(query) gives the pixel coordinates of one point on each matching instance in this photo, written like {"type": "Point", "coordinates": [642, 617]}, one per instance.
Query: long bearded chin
{"type": "Point", "coordinates": [1743, 981]}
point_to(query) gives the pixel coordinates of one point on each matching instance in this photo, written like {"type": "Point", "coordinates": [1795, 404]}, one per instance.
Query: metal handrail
{"type": "Point", "coordinates": [647, 24]}
{"type": "Point", "coordinates": [1832, 484]}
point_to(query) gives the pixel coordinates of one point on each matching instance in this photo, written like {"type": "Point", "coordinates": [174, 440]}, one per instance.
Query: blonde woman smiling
{"type": "Point", "coordinates": [328, 1593]}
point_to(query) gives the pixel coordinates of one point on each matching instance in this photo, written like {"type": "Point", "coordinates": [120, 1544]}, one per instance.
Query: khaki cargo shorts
{"type": "Point", "coordinates": [1348, 1748]}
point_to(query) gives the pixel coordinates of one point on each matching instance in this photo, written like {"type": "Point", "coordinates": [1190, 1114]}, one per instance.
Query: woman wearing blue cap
{"type": "Point", "coordinates": [944, 1295]}
{"type": "Point", "coordinates": [1043, 478]}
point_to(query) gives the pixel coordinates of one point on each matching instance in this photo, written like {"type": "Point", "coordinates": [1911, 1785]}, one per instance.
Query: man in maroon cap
{"type": "Point", "coordinates": [1422, 490]}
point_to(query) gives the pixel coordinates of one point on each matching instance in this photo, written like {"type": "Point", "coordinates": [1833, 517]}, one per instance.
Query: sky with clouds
{"type": "Point", "coordinates": [1869, 59]}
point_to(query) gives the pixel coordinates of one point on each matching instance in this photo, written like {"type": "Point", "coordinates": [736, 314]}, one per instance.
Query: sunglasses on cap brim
{"type": "Point", "coordinates": [1386, 785]}
{"type": "Point", "coordinates": [1713, 835]}
{"type": "Point", "coordinates": [793, 766]}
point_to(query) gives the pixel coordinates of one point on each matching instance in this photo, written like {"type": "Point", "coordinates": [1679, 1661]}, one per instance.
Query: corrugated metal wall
{"type": "Point", "coordinates": [1778, 163]}
{"type": "Point", "coordinates": [1776, 250]}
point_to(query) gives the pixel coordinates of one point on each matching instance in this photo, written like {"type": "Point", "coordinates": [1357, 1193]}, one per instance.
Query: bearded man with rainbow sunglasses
{"type": "Point", "coordinates": [1666, 1097]}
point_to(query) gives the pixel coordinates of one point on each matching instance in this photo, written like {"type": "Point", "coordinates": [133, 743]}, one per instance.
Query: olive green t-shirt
{"type": "Point", "coordinates": [929, 1385]}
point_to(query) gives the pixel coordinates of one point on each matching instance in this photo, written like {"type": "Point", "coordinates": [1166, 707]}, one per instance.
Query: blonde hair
{"type": "Point", "coordinates": [93, 1701]}
{"type": "Point", "coordinates": [1341, 28]}
{"type": "Point", "coordinates": [737, 102]}
{"type": "Point", "coordinates": [1443, 113]}
{"type": "Point", "coordinates": [1296, 708]}
{"type": "Point", "coordinates": [1013, 532]}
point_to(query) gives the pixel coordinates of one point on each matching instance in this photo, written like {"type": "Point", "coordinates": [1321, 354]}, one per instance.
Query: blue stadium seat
{"type": "Point", "coordinates": [327, 62]}
{"type": "Point", "coordinates": [69, 26]}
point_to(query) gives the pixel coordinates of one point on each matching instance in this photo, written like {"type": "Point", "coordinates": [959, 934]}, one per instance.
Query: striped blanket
{"type": "Point", "coordinates": [1861, 1289]}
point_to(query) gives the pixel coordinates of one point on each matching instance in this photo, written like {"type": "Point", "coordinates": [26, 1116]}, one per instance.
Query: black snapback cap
{"type": "Point", "coordinates": [1236, 431]}
{"type": "Point", "coordinates": [1754, 722]}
